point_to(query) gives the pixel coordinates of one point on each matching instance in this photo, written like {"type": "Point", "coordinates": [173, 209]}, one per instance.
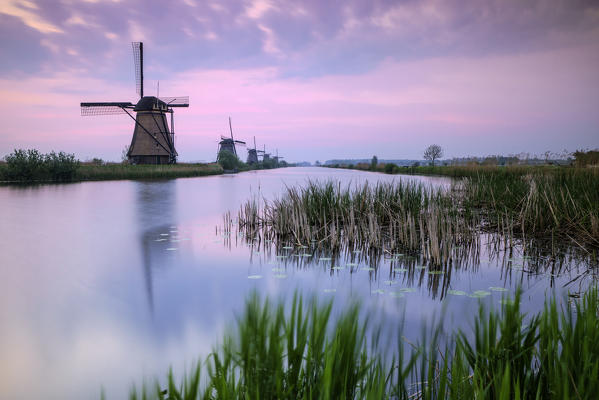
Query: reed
{"type": "Point", "coordinates": [305, 352]}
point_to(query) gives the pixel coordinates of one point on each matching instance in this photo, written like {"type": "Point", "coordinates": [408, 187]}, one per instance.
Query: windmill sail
{"type": "Point", "coordinates": [138, 61]}
{"type": "Point", "coordinates": [177, 101]}
{"type": "Point", "coordinates": [114, 108]}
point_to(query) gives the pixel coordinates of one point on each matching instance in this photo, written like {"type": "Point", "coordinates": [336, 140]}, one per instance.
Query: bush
{"type": "Point", "coordinates": [228, 160]}
{"type": "Point", "coordinates": [31, 165]}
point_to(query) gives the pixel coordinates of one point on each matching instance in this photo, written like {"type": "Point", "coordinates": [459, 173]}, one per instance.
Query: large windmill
{"type": "Point", "coordinates": [228, 144]}
{"type": "Point", "coordinates": [153, 142]}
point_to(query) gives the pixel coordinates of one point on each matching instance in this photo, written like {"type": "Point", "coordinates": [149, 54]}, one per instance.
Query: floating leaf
{"type": "Point", "coordinates": [287, 247]}
{"type": "Point", "coordinates": [338, 267]}
{"type": "Point", "coordinates": [457, 292]}
{"type": "Point", "coordinates": [325, 259]}
{"type": "Point", "coordinates": [390, 282]}
{"type": "Point", "coordinates": [280, 276]}
{"type": "Point", "coordinates": [378, 291]}
{"type": "Point", "coordinates": [436, 272]}
{"type": "Point", "coordinates": [278, 269]}
{"type": "Point", "coordinates": [164, 234]}
{"type": "Point", "coordinates": [480, 293]}
{"type": "Point", "coordinates": [357, 251]}
{"type": "Point", "coordinates": [400, 270]}
{"type": "Point", "coordinates": [171, 248]}
{"type": "Point", "coordinates": [303, 247]}
{"type": "Point", "coordinates": [497, 289]}
{"type": "Point", "coordinates": [396, 294]}
{"type": "Point", "coordinates": [420, 267]}
{"type": "Point", "coordinates": [255, 277]}
{"type": "Point", "coordinates": [306, 255]}
{"type": "Point", "coordinates": [330, 290]}
{"type": "Point", "coordinates": [407, 290]}
{"type": "Point", "coordinates": [351, 265]}
{"type": "Point", "coordinates": [367, 269]}
{"type": "Point", "coordinates": [160, 240]}
{"type": "Point", "coordinates": [175, 240]}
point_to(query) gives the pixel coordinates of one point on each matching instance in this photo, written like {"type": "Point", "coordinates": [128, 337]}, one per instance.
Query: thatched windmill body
{"type": "Point", "coordinates": [228, 143]}
{"type": "Point", "coordinates": [153, 142]}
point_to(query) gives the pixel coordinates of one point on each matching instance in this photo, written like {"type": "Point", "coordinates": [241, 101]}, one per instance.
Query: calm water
{"type": "Point", "coordinates": [104, 283]}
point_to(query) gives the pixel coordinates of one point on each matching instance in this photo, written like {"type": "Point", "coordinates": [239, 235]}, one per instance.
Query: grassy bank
{"type": "Point", "coordinates": [306, 353]}
{"type": "Point", "coordinates": [91, 172]}
{"type": "Point", "coordinates": [522, 201]}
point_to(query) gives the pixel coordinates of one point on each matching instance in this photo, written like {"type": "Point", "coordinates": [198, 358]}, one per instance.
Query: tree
{"type": "Point", "coordinates": [373, 163]}
{"type": "Point", "coordinates": [228, 160]}
{"type": "Point", "coordinates": [433, 152]}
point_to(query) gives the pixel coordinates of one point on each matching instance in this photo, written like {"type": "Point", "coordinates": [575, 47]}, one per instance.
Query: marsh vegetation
{"type": "Point", "coordinates": [307, 352]}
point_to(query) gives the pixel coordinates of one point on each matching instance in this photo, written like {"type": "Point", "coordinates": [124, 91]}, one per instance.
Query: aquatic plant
{"type": "Point", "coordinates": [307, 353]}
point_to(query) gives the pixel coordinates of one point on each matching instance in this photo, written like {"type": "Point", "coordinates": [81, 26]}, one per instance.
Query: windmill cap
{"type": "Point", "coordinates": [150, 103]}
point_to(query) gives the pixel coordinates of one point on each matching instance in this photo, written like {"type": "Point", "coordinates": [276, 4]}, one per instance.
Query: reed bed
{"type": "Point", "coordinates": [410, 217]}
{"type": "Point", "coordinates": [308, 353]}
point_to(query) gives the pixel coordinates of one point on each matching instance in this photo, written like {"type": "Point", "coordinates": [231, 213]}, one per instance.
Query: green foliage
{"type": "Point", "coordinates": [228, 160]}
{"type": "Point", "coordinates": [31, 165]}
{"type": "Point", "coordinates": [308, 353]}
{"type": "Point", "coordinates": [586, 158]}
{"type": "Point", "coordinates": [373, 163]}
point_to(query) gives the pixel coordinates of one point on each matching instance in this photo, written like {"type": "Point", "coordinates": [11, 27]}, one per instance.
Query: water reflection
{"type": "Point", "coordinates": [154, 205]}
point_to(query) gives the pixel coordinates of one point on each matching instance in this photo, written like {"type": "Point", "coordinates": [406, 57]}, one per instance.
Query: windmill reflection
{"type": "Point", "coordinates": [155, 215]}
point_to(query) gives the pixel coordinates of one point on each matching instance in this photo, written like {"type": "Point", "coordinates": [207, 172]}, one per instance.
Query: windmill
{"type": "Point", "coordinates": [265, 155]}
{"type": "Point", "coordinates": [277, 157]}
{"type": "Point", "coordinates": [253, 154]}
{"type": "Point", "coordinates": [228, 144]}
{"type": "Point", "coordinates": [152, 142]}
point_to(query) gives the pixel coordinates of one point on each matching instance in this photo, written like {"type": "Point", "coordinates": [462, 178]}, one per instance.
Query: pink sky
{"type": "Point", "coordinates": [347, 82]}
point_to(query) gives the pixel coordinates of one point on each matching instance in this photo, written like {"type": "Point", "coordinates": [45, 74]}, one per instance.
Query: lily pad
{"type": "Point", "coordinates": [480, 293]}
{"type": "Point", "coordinates": [351, 265]}
{"type": "Point", "coordinates": [407, 290]}
{"type": "Point", "coordinates": [338, 267]}
{"type": "Point", "coordinates": [400, 270]}
{"type": "Point", "coordinates": [367, 269]}
{"type": "Point", "coordinates": [287, 247]}
{"type": "Point", "coordinates": [330, 290]}
{"type": "Point", "coordinates": [457, 292]}
{"type": "Point", "coordinates": [378, 291]}
{"type": "Point", "coordinates": [164, 234]}
{"type": "Point", "coordinates": [436, 272]}
{"type": "Point", "coordinates": [390, 282]}
{"type": "Point", "coordinates": [276, 269]}
{"type": "Point", "coordinates": [281, 256]}
{"type": "Point", "coordinates": [420, 267]}
{"type": "Point", "coordinates": [497, 289]}
{"type": "Point", "coordinates": [255, 277]}
{"type": "Point", "coordinates": [171, 248]}
{"type": "Point", "coordinates": [280, 276]}
{"type": "Point", "coordinates": [325, 259]}
{"type": "Point", "coordinates": [306, 255]}
{"type": "Point", "coordinates": [397, 295]}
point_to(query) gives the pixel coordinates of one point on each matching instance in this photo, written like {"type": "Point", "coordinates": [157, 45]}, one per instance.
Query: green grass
{"type": "Point", "coordinates": [91, 172]}
{"type": "Point", "coordinates": [309, 353]}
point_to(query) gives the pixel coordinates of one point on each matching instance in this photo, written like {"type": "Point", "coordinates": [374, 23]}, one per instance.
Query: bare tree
{"type": "Point", "coordinates": [433, 152]}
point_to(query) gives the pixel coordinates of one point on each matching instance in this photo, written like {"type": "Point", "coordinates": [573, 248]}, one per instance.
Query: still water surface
{"type": "Point", "coordinates": [104, 283]}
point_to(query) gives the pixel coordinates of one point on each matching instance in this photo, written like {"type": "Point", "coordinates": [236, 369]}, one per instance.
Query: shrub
{"type": "Point", "coordinates": [31, 165]}
{"type": "Point", "coordinates": [228, 160]}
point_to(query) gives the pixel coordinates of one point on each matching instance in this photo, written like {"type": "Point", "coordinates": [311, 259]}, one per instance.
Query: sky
{"type": "Point", "coordinates": [315, 80]}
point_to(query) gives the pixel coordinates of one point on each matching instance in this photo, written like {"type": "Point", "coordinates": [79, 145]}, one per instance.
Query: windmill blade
{"type": "Point", "coordinates": [138, 61]}
{"type": "Point", "coordinates": [88, 109]}
{"type": "Point", "coordinates": [177, 101]}
{"type": "Point", "coordinates": [240, 142]}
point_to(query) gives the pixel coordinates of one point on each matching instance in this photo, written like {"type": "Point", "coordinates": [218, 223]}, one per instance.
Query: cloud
{"type": "Point", "coordinates": [26, 11]}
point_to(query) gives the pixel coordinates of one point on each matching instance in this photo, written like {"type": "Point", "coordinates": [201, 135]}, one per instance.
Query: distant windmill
{"type": "Point", "coordinates": [152, 142]}
{"type": "Point", "coordinates": [277, 158]}
{"type": "Point", "coordinates": [228, 144]}
{"type": "Point", "coordinates": [253, 154]}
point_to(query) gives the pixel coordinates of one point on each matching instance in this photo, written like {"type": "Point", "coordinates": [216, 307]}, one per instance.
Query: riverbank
{"type": "Point", "coordinates": [117, 171]}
